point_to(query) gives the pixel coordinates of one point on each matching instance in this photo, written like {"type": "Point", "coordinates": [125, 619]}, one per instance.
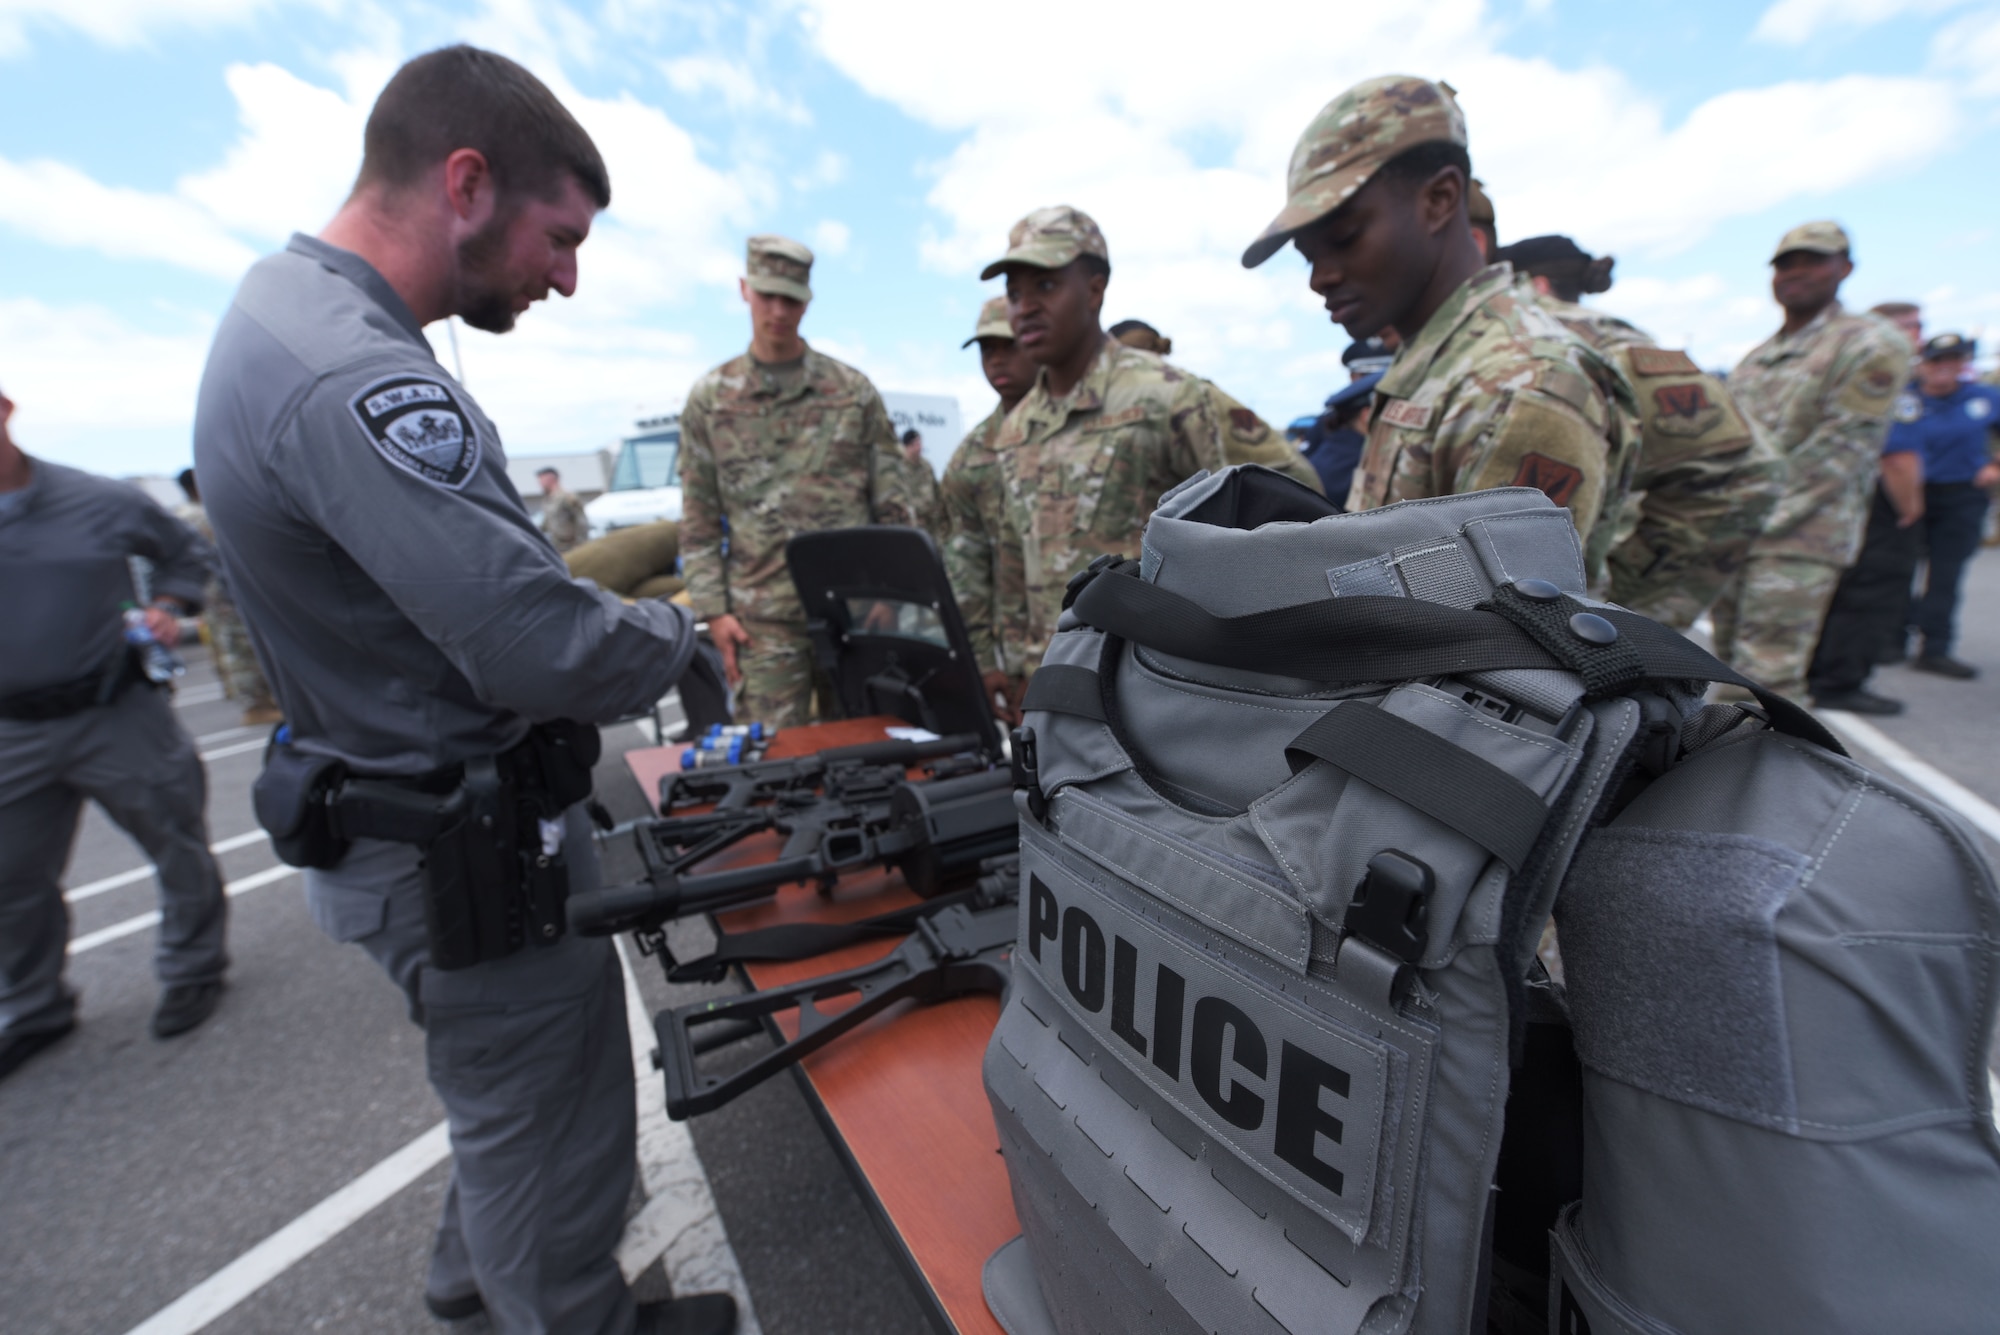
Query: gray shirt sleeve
{"type": "Point", "coordinates": [182, 559]}
{"type": "Point", "coordinates": [454, 550]}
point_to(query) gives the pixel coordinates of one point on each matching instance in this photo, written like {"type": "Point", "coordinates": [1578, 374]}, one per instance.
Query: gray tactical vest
{"type": "Point", "coordinates": [1280, 1053]}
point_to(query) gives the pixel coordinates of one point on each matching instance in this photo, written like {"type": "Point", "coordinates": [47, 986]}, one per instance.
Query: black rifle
{"type": "Point", "coordinates": [953, 948]}
{"type": "Point", "coordinates": [838, 811]}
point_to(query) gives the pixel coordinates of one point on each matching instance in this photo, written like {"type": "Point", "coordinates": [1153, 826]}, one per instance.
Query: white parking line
{"type": "Point", "coordinates": [679, 1219]}
{"type": "Point", "coordinates": [197, 695]}
{"type": "Point", "coordinates": [95, 888]}
{"type": "Point", "coordinates": [225, 735]}
{"type": "Point", "coordinates": [92, 940]}
{"type": "Point", "coordinates": [1974, 808]}
{"type": "Point", "coordinates": [291, 1244]}
{"type": "Point", "coordinates": [254, 744]}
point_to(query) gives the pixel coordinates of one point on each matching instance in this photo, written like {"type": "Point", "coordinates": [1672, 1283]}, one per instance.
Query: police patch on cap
{"type": "Point", "coordinates": [417, 424]}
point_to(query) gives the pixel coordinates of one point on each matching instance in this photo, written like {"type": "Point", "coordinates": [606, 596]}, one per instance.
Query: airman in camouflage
{"type": "Point", "coordinates": [1105, 430]}
{"type": "Point", "coordinates": [1822, 388]}
{"type": "Point", "coordinates": [228, 638]}
{"type": "Point", "coordinates": [1707, 479]}
{"type": "Point", "coordinates": [1488, 389]}
{"type": "Point", "coordinates": [563, 520]}
{"type": "Point", "coordinates": [985, 568]}
{"type": "Point", "coordinates": [779, 441]}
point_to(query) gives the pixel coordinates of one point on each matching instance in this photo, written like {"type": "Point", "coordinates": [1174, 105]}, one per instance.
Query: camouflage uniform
{"type": "Point", "coordinates": [1706, 481]}
{"type": "Point", "coordinates": [1823, 395]}
{"type": "Point", "coordinates": [768, 452]}
{"type": "Point", "coordinates": [985, 569]}
{"type": "Point", "coordinates": [563, 520]}
{"type": "Point", "coordinates": [1081, 473]}
{"type": "Point", "coordinates": [1493, 391]}
{"type": "Point", "coordinates": [229, 639]}
{"type": "Point", "coordinates": [924, 496]}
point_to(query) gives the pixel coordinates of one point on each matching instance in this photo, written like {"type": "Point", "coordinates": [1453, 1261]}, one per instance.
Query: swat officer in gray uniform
{"type": "Point", "coordinates": [78, 719]}
{"type": "Point", "coordinates": [429, 646]}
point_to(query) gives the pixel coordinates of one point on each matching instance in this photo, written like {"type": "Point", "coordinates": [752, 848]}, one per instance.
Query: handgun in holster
{"type": "Point", "coordinates": [490, 885]}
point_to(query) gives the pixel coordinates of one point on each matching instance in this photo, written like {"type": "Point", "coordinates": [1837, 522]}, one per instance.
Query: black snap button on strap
{"type": "Point", "coordinates": [1592, 628]}
{"type": "Point", "coordinates": [1537, 590]}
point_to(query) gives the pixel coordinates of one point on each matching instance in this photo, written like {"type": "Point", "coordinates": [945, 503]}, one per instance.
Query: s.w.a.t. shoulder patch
{"type": "Point", "coordinates": [417, 423]}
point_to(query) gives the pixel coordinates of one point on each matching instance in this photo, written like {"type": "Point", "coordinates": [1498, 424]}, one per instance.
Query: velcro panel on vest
{"type": "Point", "coordinates": [1249, 1141]}
{"type": "Point", "coordinates": [1783, 972]}
{"type": "Point", "coordinates": [1266, 917]}
{"type": "Point", "coordinates": [1322, 827]}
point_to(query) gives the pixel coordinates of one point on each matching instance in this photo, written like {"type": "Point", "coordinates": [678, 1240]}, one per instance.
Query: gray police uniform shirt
{"type": "Point", "coordinates": [409, 612]}
{"type": "Point", "coordinates": [65, 545]}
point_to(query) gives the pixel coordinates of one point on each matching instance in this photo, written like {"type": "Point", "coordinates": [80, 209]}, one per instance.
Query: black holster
{"type": "Point", "coordinates": [489, 886]}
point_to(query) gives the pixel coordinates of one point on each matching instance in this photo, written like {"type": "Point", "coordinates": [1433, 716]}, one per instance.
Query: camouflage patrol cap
{"type": "Point", "coordinates": [1478, 205]}
{"type": "Point", "coordinates": [1050, 238]}
{"type": "Point", "coordinates": [993, 323]}
{"type": "Point", "coordinates": [1822, 238]}
{"type": "Point", "coordinates": [779, 266]}
{"type": "Point", "coordinates": [1349, 141]}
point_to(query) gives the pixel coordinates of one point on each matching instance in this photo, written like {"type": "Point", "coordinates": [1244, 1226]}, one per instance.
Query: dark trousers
{"type": "Point", "coordinates": [1954, 520]}
{"type": "Point", "coordinates": [1864, 624]}
{"type": "Point", "coordinates": [136, 761]}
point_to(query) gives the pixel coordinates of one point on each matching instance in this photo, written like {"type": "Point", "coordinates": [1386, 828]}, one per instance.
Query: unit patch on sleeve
{"type": "Point", "coordinates": [1554, 478]}
{"type": "Point", "coordinates": [417, 424]}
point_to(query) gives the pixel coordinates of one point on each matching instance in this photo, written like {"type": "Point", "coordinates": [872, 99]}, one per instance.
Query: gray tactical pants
{"type": "Point", "coordinates": [533, 1061]}
{"type": "Point", "coordinates": [136, 761]}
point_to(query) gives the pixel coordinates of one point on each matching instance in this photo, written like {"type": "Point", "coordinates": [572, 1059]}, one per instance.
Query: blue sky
{"type": "Point", "coordinates": [151, 149]}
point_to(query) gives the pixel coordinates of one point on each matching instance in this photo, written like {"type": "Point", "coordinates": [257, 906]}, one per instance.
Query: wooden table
{"type": "Point", "coordinates": [900, 1098]}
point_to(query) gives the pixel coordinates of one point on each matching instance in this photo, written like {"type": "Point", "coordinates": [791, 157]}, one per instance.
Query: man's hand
{"type": "Point", "coordinates": [729, 636]}
{"type": "Point", "coordinates": [1987, 476]}
{"type": "Point", "coordinates": [1004, 694]}
{"type": "Point", "coordinates": [166, 627]}
{"type": "Point", "coordinates": [1903, 484]}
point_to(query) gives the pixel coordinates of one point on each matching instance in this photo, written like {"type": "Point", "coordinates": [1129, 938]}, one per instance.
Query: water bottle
{"type": "Point", "coordinates": [160, 664]}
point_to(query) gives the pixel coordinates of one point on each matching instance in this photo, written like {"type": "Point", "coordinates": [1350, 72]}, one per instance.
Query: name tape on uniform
{"type": "Point", "coordinates": [418, 424]}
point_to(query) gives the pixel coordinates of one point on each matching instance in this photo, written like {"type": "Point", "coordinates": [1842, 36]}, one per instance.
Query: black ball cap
{"type": "Point", "coordinates": [1540, 590]}
{"type": "Point", "coordinates": [1592, 628]}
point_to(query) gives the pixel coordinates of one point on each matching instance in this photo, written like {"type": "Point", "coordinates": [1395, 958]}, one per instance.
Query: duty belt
{"type": "Point", "coordinates": [101, 686]}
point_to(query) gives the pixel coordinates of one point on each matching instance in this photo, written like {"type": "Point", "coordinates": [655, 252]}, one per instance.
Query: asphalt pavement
{"type": "Point", "coordinates": [133, 1171]}
{"type": "Point", "coordinates": [144, 1184]}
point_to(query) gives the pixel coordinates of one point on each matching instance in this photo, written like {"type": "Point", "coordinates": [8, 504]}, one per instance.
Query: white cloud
{"type": "Point", "coordinates": [1630, 182]}
{"type": "Point", "coordinates": [95, 390]}
{"type": "Point", "coordinates": [116, 22]}
{"type": "Point", "coordinates": [1178, 147]}
{"type": "Point", "coordinates": [1794, 22]}
{"type": "Point", "coordinates": [56, 203]}
{"type": "Point", "coordinates": [734, 85]}
{"type": "Point", "coordinates": [296, 158]}
{"type": "Point", "coordinates": [829, 168]}
{"type": "Point", "coordinates": [830, 236]}
{"type": "Point", "coordinates": [1971, 46]}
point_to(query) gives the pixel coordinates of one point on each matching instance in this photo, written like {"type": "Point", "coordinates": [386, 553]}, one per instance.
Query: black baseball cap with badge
{"type": "Point", "coordinates": [1950, 347]}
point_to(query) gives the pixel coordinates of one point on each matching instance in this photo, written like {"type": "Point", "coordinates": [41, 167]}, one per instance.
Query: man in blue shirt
{"type": "Point", "coordinates": [1954, 424]}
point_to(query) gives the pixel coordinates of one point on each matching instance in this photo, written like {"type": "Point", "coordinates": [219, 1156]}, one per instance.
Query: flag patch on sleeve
{"type": "Point", "coordinates": [418, 424]}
